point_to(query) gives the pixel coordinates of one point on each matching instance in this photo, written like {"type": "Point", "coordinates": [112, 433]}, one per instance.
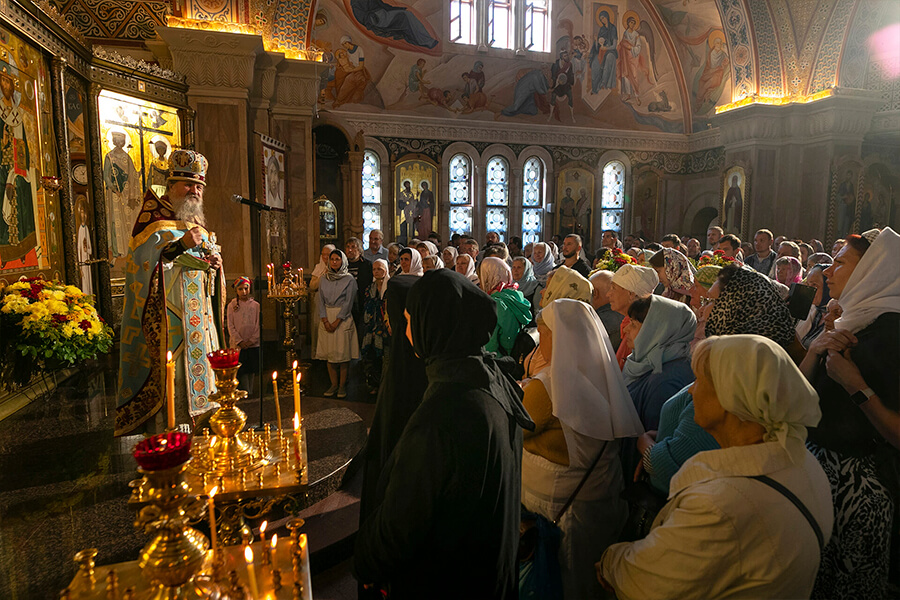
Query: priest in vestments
{"type": "Point", "coordinates": [174, 300]}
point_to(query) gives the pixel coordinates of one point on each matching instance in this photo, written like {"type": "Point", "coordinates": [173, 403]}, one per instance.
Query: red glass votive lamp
{"type": "Point", "coordinates": [225, 358]}
{"type": "Point", "coordinates": [163, 451]}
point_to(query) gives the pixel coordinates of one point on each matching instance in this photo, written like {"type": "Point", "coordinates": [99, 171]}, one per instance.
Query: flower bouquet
{"type": "Point", "coordinates": [46, 325]}
{"type": "Point", "coordinates": [717, 258]}
{"type": "Point", "coordinates": [613, 259]}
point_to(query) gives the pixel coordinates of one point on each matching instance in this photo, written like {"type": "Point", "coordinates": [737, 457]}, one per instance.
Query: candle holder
{"type": "Point", "coordinates": [172, 559]}
{"type": "Point", "coordinates": [226, 451]}
{"type": "Point", "coordinates": [291, 289]}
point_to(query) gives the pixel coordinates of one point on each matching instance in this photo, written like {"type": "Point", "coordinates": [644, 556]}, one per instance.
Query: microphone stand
{"type": "Point", "coordinates": [259, 208]}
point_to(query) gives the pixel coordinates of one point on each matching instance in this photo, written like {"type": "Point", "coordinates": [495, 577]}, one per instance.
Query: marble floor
{"type": "Point", "coordinates": [63, 476]}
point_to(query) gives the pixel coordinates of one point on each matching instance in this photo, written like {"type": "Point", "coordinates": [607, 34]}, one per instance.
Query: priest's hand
{"type": "Point", "coordinates": [215, 261]}
{"type": "Point", "coordinates": [192, 238]}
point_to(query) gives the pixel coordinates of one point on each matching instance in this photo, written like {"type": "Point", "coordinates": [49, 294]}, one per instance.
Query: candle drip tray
{"type": "Point", "coordinates": [228, 456]}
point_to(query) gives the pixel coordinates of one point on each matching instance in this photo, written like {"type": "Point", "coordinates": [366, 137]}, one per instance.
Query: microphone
{"type": "Point", "coordinates": [238, 199]}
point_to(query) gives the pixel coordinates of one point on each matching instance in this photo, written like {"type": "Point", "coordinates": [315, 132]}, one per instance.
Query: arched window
{"type": "Point", "coordinates": [612, 203]}
{"type": "Point", "coordinates": [371, 194]}
{"type": "Point", "coordinates": [532, 200]}
{"type": "Point", "coordinates": [460, 192]}
{"type": "Point", "coordinates": [497, 217]}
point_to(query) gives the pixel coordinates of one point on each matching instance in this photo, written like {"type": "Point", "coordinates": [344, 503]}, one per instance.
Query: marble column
{"type": "Point", "coordinates": [352, 171]}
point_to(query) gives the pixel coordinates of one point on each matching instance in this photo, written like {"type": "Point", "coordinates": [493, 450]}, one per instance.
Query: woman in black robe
{"type": "Point", "coordinates": [403, 384]}
{"type": "Point", "coordinates": [448, 525]}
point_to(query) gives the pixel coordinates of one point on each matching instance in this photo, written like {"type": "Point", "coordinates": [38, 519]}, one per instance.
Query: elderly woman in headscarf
{"type": "Point", "coordinates": [523, 275]}
{"type": "Point", "coordinates": [317, 273]}
{"type": "Point", "coordinates": [563, 283]}
{"type": "Point", "coordinates": [513, 310]}
{"type": "Point", "coordinates": [375, 333]}
{"type": "Point", "coordinates": [854, 369]}
{"type": "Point", "coordinates": [659, 365]}
{"type": "Point", "coordinates": [814, 324]}
{"type": "Point", "coordinates": [465, 266]}
{"type": "Point", "coordinates": [338, 342]}
{"type": "Point", "coordinates": [543, 262]}
{"type": "Point", "coordinates": [744, 302]}
{"type": "Point", "coordinates": [427, 248]}
{"type": "Point", "coordinates": [581, 409]}
{"type": "Point", "coordinates": [749, 519]}
{"type": "Point", "coordinates": [675, 272]}
{"type": "Point", "coordinates": [629, 283]}
{"type": "Point", "coordinates": [402, 386]}
{"type": "Point", "coordinates": [788, 270]}
{"type": "Point", "coordinates": [461, 454]}
{"type": "Point", "coordinates": [411, 262]}
{"type": "Point", "coordinates": [432, 262]}
{"type": "Point", "coordinates": [448, 256]}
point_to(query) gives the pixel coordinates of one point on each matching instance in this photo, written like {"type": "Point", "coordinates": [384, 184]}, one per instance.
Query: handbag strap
{"type": "Point", "coordinates": [580, 484]}
{"type": "Point", "coordinates": [796, 502]}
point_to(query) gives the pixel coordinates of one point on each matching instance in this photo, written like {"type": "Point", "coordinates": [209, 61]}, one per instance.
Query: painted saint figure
{"type": "Point", "coordinates": [84, 248]}
{"type": "Point", "coordinates": [567, 213]}
{"type": "Point", "coordinates": [394, 22]}
{"type": "Point", "coordinates": [424, 210]}
{"type": "Point", "coordinates": [123, 185]}
{"type": "Point", "coordinates": [734, 205]}
{"type": "Point", "coordinates": [715, 71]}
{"type": "Point", "coordinates": [846, 205]}
{"type": "Point", "coordinates": [604, 55]}
{"type": "Point", "coordinates": [634, 61]}
{"type": "Point", "coordinates": [17, 226]}
{"type": "Point", "coordinates": [406, 208]}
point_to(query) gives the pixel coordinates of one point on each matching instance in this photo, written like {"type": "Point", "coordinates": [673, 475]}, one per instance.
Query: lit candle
{"type": "Point", "coordinates": [302, 543]}
{"type": "Point", "coordinates": [212, 522]}
{"type": "Point", "coordinates": [170, 390]}
{"type": "Point", "coordinates": [296, 389]}
{"type": "Point", "coordinates": [251, 573]}
{"type": "Point", "coordinates": [262, 531]}
{"type": "Point", "coordinates": [277, 403]}
{"type": "Point", "coordinates": [297, 439]}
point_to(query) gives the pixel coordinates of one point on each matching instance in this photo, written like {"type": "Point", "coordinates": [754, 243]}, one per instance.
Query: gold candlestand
{"type": "Point", "coordinates": [291, 289]}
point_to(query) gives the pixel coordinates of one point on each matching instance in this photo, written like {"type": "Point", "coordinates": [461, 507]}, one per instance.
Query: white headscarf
{"type": "Point", "coordinates": [322, 265]}
{"type": "Point", "coordinates": [874, 286]}
{"type": "Point", "coordinates": [384, 283]}
{"type": "Point", "coordinates": [470, 268]}
{"type": "Point", "coordinates": [432, 249]}
{"type": "Point", "coordinates": [543, 268]}
{"type": "Point", "coordinates": [756, 380]}
{"type": "Point", "coordinates": [640, 281]}
{"type": "Point", "coordinates": [493, 273]}
{"type": "Point", "coordinates": [415, 262]}
{"type": "Point", "coordinates": [586, 387]}
{"type": "Point", "coordinates": [455, 253]}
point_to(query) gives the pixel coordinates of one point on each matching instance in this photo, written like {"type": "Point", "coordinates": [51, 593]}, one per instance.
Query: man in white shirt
{"type": "Point", "coordinates": [375, 250]}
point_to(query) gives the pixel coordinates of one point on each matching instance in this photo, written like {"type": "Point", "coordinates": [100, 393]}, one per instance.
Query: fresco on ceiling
{"type": "Point", "coordinates": [696, 30]}
{"type": "Point", "coordinates": [607, 67]}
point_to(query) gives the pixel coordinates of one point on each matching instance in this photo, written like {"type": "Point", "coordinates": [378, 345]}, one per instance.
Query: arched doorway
{"type": "Point", "coordinates": [331, 156]}
{"type": "Point", "coordinates": [702, 220]}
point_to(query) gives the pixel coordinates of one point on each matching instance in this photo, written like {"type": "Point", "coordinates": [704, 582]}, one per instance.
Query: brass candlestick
{"type": "Point", "coordinates": [291, 289]}
{"type": "Point", "coordinates": [226, 451]}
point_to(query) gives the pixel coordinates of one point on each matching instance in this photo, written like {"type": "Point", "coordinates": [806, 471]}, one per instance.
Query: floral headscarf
{"type": "Point", "coordinates": [750, 303]}
{"type": "Point", "coordinates": [678, 271]}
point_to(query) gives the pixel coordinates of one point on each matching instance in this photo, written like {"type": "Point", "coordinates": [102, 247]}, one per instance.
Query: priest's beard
{"type": "Point", "coordinates": [189, 208]}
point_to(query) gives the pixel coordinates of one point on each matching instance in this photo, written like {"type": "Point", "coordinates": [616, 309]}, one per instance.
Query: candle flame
{"type": "Point", "coordinates": [299, 375]}
{"type": "Point", "coordinates": [295, 365]}
{"type": "Point", "coordinates": [274, 375]}
{"type": "Point", "coordinates": [303, 540]}
{"type": "Point", "coordinates": [262, 527]}
{"type": "Point", "coordinates": [296, 422]}
{"type": "Point", "coordinates": [248, 555]}
{"type": "Point", "coordinates": [213, 491]}
{"type": "Point", "coordinates": [274, 540]}
{"type": "Point", "coordinates": [169, 356]}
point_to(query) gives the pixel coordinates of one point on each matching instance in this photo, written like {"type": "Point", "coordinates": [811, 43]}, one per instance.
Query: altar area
{"type": "Point", "coordinates": [64, 479]}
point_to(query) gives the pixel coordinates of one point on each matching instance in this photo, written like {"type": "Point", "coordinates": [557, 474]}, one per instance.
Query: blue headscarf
{"type": "Point", "coordinates": [529, 282]}
{"type": "Point", "coordinates": [665, 335]}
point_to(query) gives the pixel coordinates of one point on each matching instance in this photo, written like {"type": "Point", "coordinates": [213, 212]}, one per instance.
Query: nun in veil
{"type": "Point", "coordinates": [448, 525]}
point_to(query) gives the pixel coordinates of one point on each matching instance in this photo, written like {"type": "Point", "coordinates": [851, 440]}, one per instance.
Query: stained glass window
{"type": "Point", "coordinates": [496, 218]}
{"type": "Point", "coordinates": [532, 196]}
{"type": "Point", "coordinates": [613, 199]}
{"type": "Point", "coordinates": [371, 194]}
{"type": "Point", "coordinates": [459, 179]}
{"type": "Point", "coordinates": [461, 220]}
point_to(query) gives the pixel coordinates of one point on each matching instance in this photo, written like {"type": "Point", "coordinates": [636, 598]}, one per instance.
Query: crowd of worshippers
{"type": "Point", "coordinates": [669, 429]}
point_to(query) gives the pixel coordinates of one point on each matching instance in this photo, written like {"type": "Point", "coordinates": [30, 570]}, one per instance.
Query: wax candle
{"type": "Point", "coordinates": [211, 509]}
{"type": "Point", "coordinates": [296, 379]}
{"type": "Point", "coordinates": [277, 403]}
{"type": "Point", "coordinates": [251, 573]}
{"type": "Point", "coordinates": [170, 391]}
{"type": "Point", "coordinates": [297, 439]}
{"type": "Point", "coordinates": [262, 531]}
